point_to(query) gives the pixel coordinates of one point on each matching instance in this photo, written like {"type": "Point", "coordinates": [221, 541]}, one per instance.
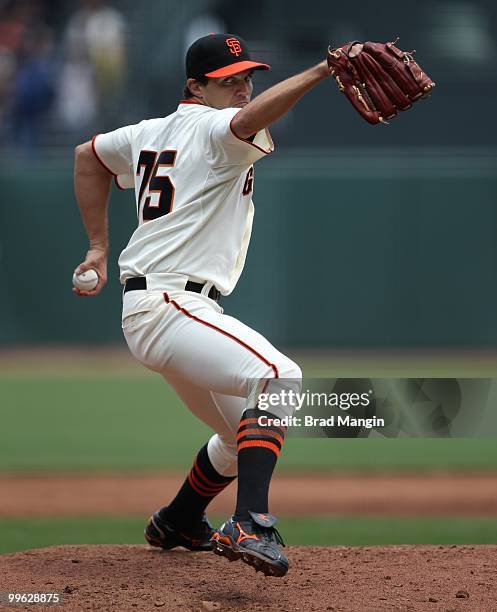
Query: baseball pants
{"type": "Point", "coordinates": [216, 364]}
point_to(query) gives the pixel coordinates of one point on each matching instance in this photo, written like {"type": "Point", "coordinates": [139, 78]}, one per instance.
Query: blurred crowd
{"type": "Point", "coordinates": [58, 77]}
{"type": "Point", "coordinates": [70, 68]}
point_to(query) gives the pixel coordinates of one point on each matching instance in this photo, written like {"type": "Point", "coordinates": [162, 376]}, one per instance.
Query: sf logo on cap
{"type": "Point", "coordinates": [234, 46]}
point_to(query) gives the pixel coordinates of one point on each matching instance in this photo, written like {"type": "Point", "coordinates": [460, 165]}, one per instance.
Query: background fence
{"type": "Point", "coordinates": [355, 248]}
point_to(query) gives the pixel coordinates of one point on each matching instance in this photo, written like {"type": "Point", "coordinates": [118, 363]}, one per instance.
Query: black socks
{"type": "Point", "coordinates": [259, 444]}
{"type": "Point", "coordinates": [202, 484]}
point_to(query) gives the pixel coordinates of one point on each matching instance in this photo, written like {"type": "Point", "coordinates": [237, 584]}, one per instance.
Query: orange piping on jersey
{"type": "Point", "coordinates": [191, 102]}
{"type": "Point", "coordinates": [99, 158]}
{"type": "Point", "coordinates": [225, 333]}
{"type": "Point", "coordinates": [250, 142]}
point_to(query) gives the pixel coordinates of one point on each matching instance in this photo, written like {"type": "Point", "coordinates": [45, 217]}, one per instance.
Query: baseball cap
{"type": "Point", "coordinates": [219, 55]}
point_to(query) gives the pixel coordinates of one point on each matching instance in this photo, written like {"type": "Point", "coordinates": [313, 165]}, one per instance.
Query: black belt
{"type": "Point", "coordinates": [140, 283]}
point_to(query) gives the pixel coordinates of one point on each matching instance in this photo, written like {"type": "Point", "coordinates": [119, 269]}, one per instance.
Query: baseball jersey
{"type": "Point", "coordinates": [193, 180]}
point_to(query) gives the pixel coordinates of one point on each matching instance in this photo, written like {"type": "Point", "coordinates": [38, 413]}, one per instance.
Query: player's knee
{"type": "Point", "coordinates": [223, 454]}
{"type": "Point", "coordinates": [289, 385]}
{"type": "Point", "coordinates": [291, 371]}
{"type": "Point", "coordinates": [290, 376]}
{"type": "Point", "coordinates": [279, 396]}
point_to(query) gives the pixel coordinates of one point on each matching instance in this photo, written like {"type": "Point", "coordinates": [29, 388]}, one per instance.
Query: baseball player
{"type": "Point", "coordinates": [193, 175]}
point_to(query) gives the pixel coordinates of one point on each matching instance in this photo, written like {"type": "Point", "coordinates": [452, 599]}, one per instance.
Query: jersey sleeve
{"type": "Point", "coordinates": [114, 150]}
{"type": "Point", "coordinates": [228, 149]}
{"type": "Point", "coordinates": [125, 181]}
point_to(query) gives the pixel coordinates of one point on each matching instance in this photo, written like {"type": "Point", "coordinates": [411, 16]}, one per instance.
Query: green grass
{"type": "Point", "coordinates": [113, 423]}
{"type": "Point", "coordinates": [92, 423]}
{"type": "Point", "coordinates": [23, 534]}
{"type": "Point", "coordinates": [365, 531]}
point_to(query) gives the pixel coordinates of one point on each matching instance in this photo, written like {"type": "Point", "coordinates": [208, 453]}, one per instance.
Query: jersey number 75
{"type": "Point", "coordinates": [159, 188]}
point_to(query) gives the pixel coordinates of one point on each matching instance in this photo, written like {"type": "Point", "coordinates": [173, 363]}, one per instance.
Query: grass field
{"type": "Point", "coordinates": [16, 534]}
{"type": "Point", "coordinates": [94, 423]}
{"type": "Point", "coordinates": [93, 413]}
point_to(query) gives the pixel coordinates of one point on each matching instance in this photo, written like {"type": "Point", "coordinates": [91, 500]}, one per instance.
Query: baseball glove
{"type": "Point", "coordinates": [378, 78]}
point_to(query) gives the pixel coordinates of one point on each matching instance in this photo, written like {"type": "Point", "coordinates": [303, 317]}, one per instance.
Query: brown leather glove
{"type": "Point", "coordinates": [378, 78]}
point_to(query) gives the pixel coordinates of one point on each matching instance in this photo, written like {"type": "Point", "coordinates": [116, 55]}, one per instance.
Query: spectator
{"type": "Point", "coordinates": [33, 87]}
{"type": "Point", "coordinates": [77, 94]}
{"type": "Point", "coordinates": [97, 32]}
{"type": "Point", "coordinates": [14, 22]}
{"type": "Point", "coordinates": [26, 71]}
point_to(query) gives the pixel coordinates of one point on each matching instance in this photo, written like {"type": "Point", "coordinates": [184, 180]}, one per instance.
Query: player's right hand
{"type": "Point", "coordinates": [96, 258]}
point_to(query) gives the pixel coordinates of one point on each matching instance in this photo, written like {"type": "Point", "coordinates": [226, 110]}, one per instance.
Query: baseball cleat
{"type": "Point", "coordinates": [158, 533]}
{"type": "Point", "coordinates": [254, 541]}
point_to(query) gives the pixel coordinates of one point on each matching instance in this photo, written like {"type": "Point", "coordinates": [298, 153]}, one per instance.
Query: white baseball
{"type": "Point", "coordinates": [86, 280]}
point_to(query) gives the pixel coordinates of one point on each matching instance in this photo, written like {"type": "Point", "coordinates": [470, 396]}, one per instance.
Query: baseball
{"type": "Point", "coordinates": [86, 280]}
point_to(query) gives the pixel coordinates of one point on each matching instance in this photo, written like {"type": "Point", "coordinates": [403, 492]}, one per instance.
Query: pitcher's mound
{"type": "Point", "coordinates": [339, 578]}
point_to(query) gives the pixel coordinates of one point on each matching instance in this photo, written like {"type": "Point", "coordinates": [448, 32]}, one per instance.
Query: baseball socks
{"type": "Point", "coordinates": [258, 449]}
{"type": "Point", "coordinates": [202, 484]}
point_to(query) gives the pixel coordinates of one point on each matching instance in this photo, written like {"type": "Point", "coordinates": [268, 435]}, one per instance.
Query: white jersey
{"type": "Point", "coordinates": [193, 180]}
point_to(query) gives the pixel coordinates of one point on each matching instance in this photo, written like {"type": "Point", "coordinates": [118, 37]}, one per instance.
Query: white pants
{"type": "Point", "coordinates": [216, 364]}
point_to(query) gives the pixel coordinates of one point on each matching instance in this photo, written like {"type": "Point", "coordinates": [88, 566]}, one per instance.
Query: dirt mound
{"type": "Point", "coordinates": [342, 578]}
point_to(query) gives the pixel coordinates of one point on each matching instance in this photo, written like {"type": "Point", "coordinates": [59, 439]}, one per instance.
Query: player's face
{"type": "Point", "coordinates": [229, 92]}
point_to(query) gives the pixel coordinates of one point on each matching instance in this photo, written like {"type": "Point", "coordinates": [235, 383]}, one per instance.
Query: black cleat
{"type": "Point", "coordinates": [254, 541]}
{"type": "Point", "coordinates": [158, 533]}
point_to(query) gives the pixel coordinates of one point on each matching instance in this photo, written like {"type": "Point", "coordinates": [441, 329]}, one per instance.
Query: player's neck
{"type": "Point", "coordinates": [192, 101]}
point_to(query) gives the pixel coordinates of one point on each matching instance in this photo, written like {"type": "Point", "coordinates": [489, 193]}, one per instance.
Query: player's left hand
{"type": "Point", "coordinates": [96, 258]}
{"type": "Point", "coordinates": [378, 78]}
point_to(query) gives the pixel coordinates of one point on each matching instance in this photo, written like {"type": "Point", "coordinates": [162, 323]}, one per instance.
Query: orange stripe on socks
{"type": "Point", "coordinates": [259, 443]}
{"type": "Point", "coordinates": [209, 484]}
{"type": "Point", "coordinates": [247, 422]}
{"type": "Point", "coordinates": [268, 433]}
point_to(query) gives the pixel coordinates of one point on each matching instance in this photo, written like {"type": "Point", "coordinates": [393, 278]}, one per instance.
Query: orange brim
{"type": "Point", "coordinates": [236, 68]}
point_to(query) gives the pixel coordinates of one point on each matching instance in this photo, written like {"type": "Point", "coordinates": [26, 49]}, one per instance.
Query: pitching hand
{"type": "Point", "coordinates": [96, 259]}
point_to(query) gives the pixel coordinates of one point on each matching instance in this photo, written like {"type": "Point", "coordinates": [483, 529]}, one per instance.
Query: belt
{"type": "Point", "coordinates": [140, 283]}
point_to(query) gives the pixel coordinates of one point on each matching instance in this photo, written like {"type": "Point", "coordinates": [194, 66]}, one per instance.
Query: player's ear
{"type": "Point", "coordinates": [195, 88]}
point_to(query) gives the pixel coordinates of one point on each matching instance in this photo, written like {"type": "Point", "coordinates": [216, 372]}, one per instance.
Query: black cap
{"type": "Point", "coordinates": [219, 55]}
